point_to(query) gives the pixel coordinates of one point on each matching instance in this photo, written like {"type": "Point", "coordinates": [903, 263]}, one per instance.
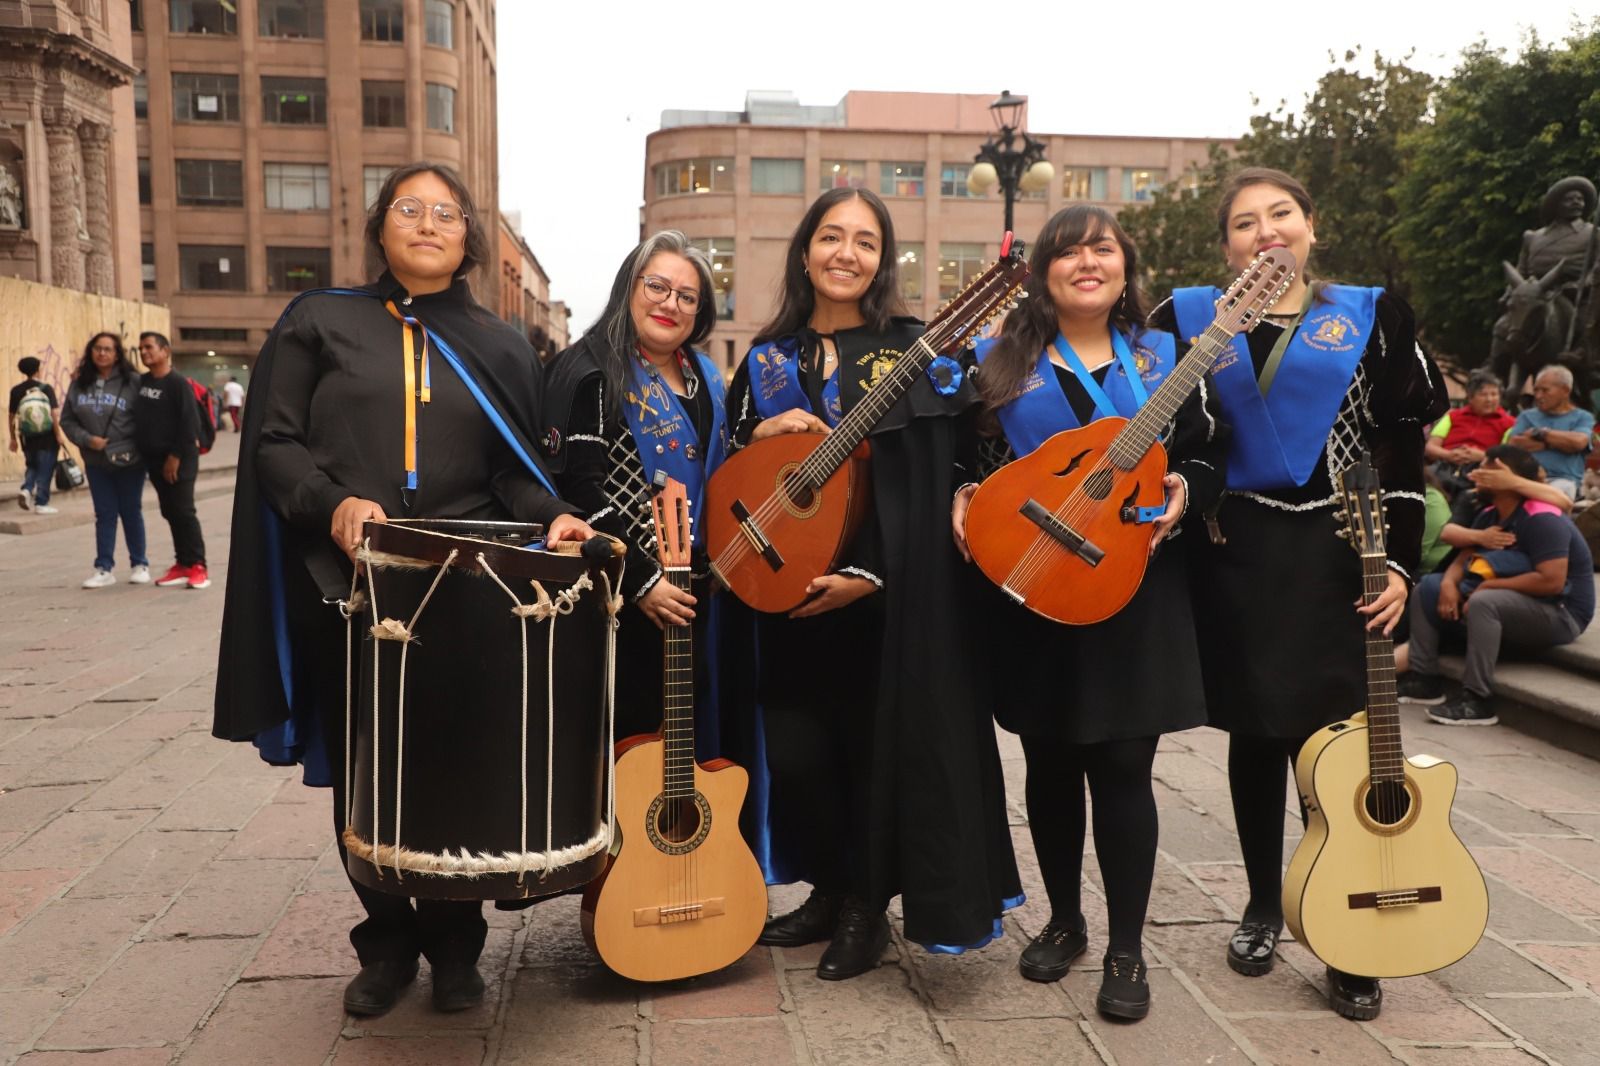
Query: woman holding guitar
{"type": "Point", "coordinates": [885, 780]}
{"type": "Point", "coordinates": [1332, 371]}
{"type": "Point", "coordinates": [1075, 351]}
{"type": "Point", "coordinates": [631, 398]}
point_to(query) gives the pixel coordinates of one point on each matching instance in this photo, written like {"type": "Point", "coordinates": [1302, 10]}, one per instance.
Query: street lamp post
{"type": "Point", "coordinates": [1011, 159]}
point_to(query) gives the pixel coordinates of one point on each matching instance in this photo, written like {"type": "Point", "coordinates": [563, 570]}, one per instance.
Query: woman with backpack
{"type": "Point", "coordinates": [36, 433]}
{"type": "Point", "coordinates": [98, 418]}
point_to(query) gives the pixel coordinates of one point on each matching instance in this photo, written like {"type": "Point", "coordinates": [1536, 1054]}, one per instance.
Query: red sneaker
{"type": "Point", "coordinates": [198, 578]}
{"type": "Point", "coordinates": [177, 576]}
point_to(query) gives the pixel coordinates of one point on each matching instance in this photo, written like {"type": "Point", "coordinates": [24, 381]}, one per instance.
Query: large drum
{"type": "Point", "coordinates": [479, 712]}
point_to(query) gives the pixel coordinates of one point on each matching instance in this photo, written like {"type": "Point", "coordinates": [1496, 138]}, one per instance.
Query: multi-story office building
{"type": "Point", "coordinates": [265, 128]}
{"type": "Point", "coordinates": [739, 182]}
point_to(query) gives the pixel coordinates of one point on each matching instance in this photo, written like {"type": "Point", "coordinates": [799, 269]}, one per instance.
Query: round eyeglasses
{"type": "Point", "coordinates": [656, 290]}
{"type": "Point", "coordinates": [447, 217]}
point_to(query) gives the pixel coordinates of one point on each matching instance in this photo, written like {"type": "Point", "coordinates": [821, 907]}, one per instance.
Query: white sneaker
{"type": "Point", "coordinates": [140, 576]}
{"type": "Point", "coordinates": [45, 508]}
{"type": "Point", "coordinates": [101, 578]}
{"type": "Point", "coordinates": [25, 499]}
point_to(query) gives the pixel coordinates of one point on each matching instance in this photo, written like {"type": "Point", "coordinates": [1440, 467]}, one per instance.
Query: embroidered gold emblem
{"type": "Point", "coordinates": [1332, 332]}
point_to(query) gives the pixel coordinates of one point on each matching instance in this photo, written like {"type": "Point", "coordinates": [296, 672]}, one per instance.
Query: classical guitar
{"type": "Point", "coordinates": [1061, 530]}
{"type": "Point", "coordinates": [780, 511]}
{"type": "Point", "coordinates": [683, 895]}
{"type": "Point", "coordinates": [1380, 885]}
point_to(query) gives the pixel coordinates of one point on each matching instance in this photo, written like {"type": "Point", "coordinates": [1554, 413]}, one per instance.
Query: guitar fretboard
{"type": "Point", "coordinates": [677, 680]}
{"type": "Point", "coordinates": [1142, 430]}
{"type": "Point", "coordinates": [1384, 753]}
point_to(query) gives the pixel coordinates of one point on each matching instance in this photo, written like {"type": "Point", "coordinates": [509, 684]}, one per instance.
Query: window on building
{"type": "Point", "coordinates": [210, 183]}
{"type": "Point", "coordinates": [777, 177]}
{"type": "Point", "coordinates": [295, 186]}
{"type": "Point", "coordinates": [694, 175]}
{"type": "Point", "coordinates": [204, 16]}
{"type": "Point", "coordinates": [1083, 183]}
{"type": "Point", "coordinates": [147, 266]}
{"type": "Point", "coordinates": [294, 101]}
{"type": "Point", "coordinates": [383, 103]}
{"type": "Point", "coordinates": [372, 179]}
{"type": "Point", "coordinates": [958, 264]}
{"type": "Point", "coordinates": [211, 267]}
{"type": "Point", "coordinates": [953, 179]}
{"type": "Point", "coordinates": [136, 15]}
{"type": "Point", "coordinates": [843, 174]}
{"type": "Point", "coordinates": [440, 22]}
{"type": "Point", "coordinates": [291, 18]}
{"type": "Point", "coordinates": [205, 97]}
{"type": "Point", "coordinates": [141, 96]}
{"type": "Point", "coordinates": [144, 180]}
{"type": "Point", "coordinates": [1141, 185]}
{"type": "Point", "coordinates": [212, 333]}
{"type": "Point", "coordinates": [900, 179]}
{"type": "Point", "coordinates": [441, 108]}
{"type": "Point", "coordinates": [910, 266]}
{"type": "Point", "coordinates": [720, 251]}
{"type": "Point", "coordinates": [297, 269]}
{"type": "Point", "coordinates": [383, 20]}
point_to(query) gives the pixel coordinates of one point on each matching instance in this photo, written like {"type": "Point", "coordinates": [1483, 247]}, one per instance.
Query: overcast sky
{"type": "Point", "coordinates": [583, 82]}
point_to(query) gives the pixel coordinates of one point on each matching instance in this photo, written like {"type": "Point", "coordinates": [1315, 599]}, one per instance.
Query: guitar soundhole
{"type": "Point", "coordinates": [798, 498]}
{"type": "Point", "coordinates": [677, 825]}
{"type": "Point", "coordinates": [1098, 485]}
{"type": "Point", "coordinates": [1388, 802]}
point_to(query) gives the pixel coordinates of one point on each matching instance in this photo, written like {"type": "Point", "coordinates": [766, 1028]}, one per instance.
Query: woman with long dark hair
{"type": "Point", "coordinates": [336, 436]}
{"type": "Point", "coordinates": [98, 418]}
{"type": "Point", "coordinates": [631, 398]}
{"type": "Point", "coordinates": [885, 775]}
{"type": "Point", "coordinates": [1076, 350]}
{"type": "Point", "coordinates": [1331, 371]}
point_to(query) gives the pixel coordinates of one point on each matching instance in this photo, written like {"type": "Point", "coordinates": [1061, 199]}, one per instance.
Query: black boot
{"type": "Point", "coordinates": [376, 988]}
{"type": "Point", "coordinates": [1355, 997]}
{"type": "Point", "coordinates": [1251, 949]}
{"type": "Point", "coordinates": [1125, 988]}
{"type": "Point", "coordinates": [456, 986]}
{"type": "Point", "coordinates": [1050, 955]}
{"type": "Point", "coordinates": [857, 944]}
{"type": "Point", "coordinates": [812, 921]}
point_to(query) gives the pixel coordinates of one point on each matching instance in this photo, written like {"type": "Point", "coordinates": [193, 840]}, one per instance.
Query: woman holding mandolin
{"type": "Point", "coordinates": [1073, 352]}
{"type": "Point", "coordinates": [1332, 371]}
{"type": "Point", "coordinates": [884, 779]}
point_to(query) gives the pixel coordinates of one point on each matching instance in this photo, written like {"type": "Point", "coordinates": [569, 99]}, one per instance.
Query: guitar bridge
{"type": "Point", "coordinates": [1398, 897]}
{"type": "Point", "coordinates": [1062, 533]}
{"type": "Point", "coordinates": [681, 912]}
{"type": "Point", "coordinates": [758, 540]}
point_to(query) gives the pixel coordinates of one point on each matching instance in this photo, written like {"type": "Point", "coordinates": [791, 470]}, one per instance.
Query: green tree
{"type": "Point", "coordinates": [1502, 132]}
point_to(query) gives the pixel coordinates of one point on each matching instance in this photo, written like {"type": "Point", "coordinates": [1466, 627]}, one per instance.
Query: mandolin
{"type": "Point", "coordinates": [1380, 884]}
{"type": "Point", "coordinates": [780, 511]}
{"type": "Point", "coordinates": [1063, 530]}
{"type": "Point", "coordinates": [683, 894]}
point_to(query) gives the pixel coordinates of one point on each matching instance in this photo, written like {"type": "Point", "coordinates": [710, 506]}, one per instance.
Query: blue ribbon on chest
{"type": "Point", "coordinates": [665, 434]}
{"type": "Point", "coordinates": [1279, 438]}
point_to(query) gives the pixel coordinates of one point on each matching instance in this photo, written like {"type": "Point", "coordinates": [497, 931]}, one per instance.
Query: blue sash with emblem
{"type": "Point", "coordinates": [1041, 410]}
{"type": "Point", "coordinates": [775, 382]}
{"type": "Point", "coordinates": [1279, 438]}
{"type": "Point", "coordinates": [665, 433]}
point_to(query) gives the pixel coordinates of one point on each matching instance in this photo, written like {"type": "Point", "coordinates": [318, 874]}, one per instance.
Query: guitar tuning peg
{"type": "Point", "coordinates": [1342, 534]}
{"type": "Point", "coordinates": [1341, 516]}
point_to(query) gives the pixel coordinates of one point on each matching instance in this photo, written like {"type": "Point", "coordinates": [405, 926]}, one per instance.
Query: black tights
{"type": "Point", "coordinates": [1125, 826]}
{"type": "Point", "coordinates": [1257, 770]}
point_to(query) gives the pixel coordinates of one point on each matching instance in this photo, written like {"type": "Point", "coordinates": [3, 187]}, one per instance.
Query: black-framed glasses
{"type": "Point", "coordinates": [656, 290]}
{"type": "Point", "coordinates": [447, 217]}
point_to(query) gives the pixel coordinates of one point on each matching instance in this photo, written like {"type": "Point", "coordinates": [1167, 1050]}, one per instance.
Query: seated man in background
{"type": "Point", "coordinates": [1458, 441]}
{"type": "Point", "coordinates": [1557, 432]}
{"type": "Point", "coordinates": [1536, 590]}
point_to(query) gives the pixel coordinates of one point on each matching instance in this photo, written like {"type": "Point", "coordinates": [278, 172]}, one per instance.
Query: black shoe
{"type": "Point", "coordinates": [1466, 709]}
{"type": "Point", "coordinates": [1050, 955]}
{"type": "Point", "coordinates": [1125, 989]}
{"type": "Point", "coordinates": [1424, 689]}
{"type": "Point", "coordinates": [857, 944]}
{"type": "Point", "coordinates": [1251, 948]}
{"type": "Point", "coordinates": [456, 986]}
{"type": "Point", "coordinates": [376, 988]}
{"type": "Point", "coordinates": [812, 921]}
{"type": "Point", "coordinates": [1360, 998]}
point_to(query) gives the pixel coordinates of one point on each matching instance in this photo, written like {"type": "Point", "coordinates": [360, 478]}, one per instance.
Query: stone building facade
{"type": "Point", "coordinates": [525, 290]}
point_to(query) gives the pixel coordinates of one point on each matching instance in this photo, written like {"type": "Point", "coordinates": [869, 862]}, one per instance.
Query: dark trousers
{"type": "Point", "coordinates": [177, 507]}
{"type": "Point", "coordinates": [117, 493]}
{"type": "Point", "coordinates": [41, 465]}
{"type": "Point", "coordinates": [395, 929]}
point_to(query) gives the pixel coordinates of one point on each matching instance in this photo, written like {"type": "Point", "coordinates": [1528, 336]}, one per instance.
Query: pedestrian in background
{"type": "Point", "coordinates": [166, 422]}
{"type": "Point", "coordinates": [36, 433]}
{"type": "Point", "coordinates": [98, 418]}
{"type": "Point", "coordinates": [233, 402]}
{"type": "Point", "coordinates": [1557, 432]}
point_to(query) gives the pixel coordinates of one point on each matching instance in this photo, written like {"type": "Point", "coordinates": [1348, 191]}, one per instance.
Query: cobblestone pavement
{"type": "Point", "coordinates": [166, 897]}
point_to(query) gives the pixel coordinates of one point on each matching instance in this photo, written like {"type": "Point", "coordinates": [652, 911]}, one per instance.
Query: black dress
{"type": "Point", "coordinates": [886, 776]}
{"type": "Point", "coordinates": [1281, 644]}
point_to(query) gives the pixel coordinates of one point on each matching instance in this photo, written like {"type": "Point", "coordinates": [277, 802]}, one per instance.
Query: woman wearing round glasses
{"type": "Point", "coordinates": [885, 775]}
{"type": "Point", "coordinates": [342, 431]}
{"type": "Point", "coordinates": [629, 400]}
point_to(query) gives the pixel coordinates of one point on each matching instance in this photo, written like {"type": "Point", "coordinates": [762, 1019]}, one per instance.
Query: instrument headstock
{"type": "Point", "coordinates": [1253, 292]}
{"type": "Point", "coordinates": [1363, 509]}
{"type": "Point", "coordinates": [997, 289]}
{"type": "Point", "coordinates": [669, 504]}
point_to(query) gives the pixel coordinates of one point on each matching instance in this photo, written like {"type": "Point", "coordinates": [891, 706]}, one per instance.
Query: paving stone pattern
{"type": "Point", "coordinates": [168, 898]}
